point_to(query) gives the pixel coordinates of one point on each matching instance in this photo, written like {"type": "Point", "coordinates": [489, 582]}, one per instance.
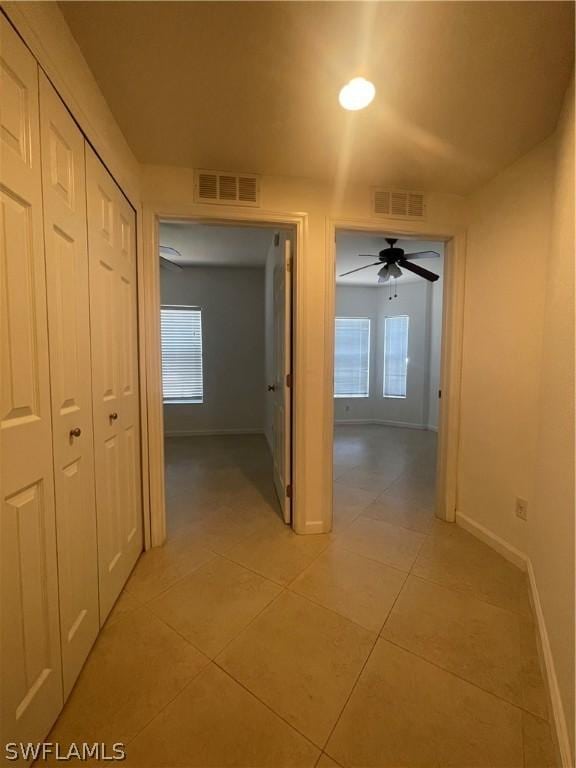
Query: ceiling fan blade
{"type": "Point", "coordinates": [420, 271]}
{"type": "Point", "coordinates": [167, 251]}
{"type": "Point", "coordinates": [167, 254]}
{"type": "Point", "coordinates": [171, 265]}
{"type": "Point", "coordinates": [421, 255]}
{"type": "Point", "coordinates": [359, 268]}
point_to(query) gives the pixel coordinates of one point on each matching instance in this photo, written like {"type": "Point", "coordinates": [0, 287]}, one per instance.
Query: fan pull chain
{"type": "Point", "coordinates": [395, 287]}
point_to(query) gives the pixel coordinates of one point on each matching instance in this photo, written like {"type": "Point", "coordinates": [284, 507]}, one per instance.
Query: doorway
{"type": "Point", "coordinates": [226, 331]}
{"type": "Point", "coordinates": [387, 371]}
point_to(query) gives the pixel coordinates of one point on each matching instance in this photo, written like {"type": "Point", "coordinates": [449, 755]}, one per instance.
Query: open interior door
{"type": "Point", "coordinates": [282, 366]}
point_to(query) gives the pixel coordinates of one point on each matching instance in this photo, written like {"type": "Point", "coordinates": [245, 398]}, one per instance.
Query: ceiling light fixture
{"type": "Point", "coordinates": [357, 94]}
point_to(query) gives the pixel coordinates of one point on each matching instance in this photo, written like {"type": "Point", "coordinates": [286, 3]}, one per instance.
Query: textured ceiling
{"type": "Point", "coordinates": [463, 89]}
{"type": "Point", "coordinates": [217, 246]}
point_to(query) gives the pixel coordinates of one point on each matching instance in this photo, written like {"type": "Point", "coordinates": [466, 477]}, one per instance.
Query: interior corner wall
{"type": "Point", "coordinates": [232, 303]}
{"type": "Point", "coordinates": [551, 516]}
{"type": "Point", "coordinates": [517, 411]}
{"type": "Point", "coordinates": [415, 299]}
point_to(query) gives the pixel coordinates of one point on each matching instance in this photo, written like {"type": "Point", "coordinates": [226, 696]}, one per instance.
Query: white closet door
{"type": "Point", "coordinates": [111, 254]}
{"type": "Point", "coordinates": [31, 681]}
{"type": "Point", "coordinates": [65, 237]}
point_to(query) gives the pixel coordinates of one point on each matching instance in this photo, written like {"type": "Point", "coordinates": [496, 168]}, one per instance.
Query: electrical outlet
{"type": "Point", "coordinates": [521, 509]}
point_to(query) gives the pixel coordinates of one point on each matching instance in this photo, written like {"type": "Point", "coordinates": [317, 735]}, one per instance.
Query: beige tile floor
{"type": "Point", "coordinates": [397, 640]}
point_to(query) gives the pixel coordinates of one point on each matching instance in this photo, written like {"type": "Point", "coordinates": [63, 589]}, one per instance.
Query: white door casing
{"type": "Point", "coordinates": [65, 238]}
{"type": "Point", "coordinates": [281, 420]}
{"type": "Point", "coordinates": [31, 690]}
{"type": "Point", "coordinates": [113, 320]}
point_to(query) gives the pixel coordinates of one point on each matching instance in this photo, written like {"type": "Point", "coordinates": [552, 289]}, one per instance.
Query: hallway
{"type": "Point", "coordinates": [396, 640]}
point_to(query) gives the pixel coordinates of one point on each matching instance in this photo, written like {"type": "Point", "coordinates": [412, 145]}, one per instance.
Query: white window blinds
{"type": "Point", "coordinates": [352, 357]}
{"type": "Point", "coordinates": [395, 355]}
{"type": "Point", "coordinates": [181, 329]}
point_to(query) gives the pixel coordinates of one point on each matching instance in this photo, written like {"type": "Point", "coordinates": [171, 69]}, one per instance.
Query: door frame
{"type": "Point", "coordinates": [451, 350]}
{"type": "Point", "coordinates": [225, 215]}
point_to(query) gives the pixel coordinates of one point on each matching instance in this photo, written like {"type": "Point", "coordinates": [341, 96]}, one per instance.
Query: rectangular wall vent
{"type": "Point", "coordinates": [227, 188]}
{"type": "Point", "coordinates": [399, 204]}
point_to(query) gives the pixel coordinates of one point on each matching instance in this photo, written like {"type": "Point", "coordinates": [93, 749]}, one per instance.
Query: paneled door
{"type": "Point", "coordinates": [65, 238]}
{"type": "Point", "coordinates": [31, 681]}
{"type": "Point", "coordinates": [281, 421]}
{"type": "Point", "coordinates": [112, 260]}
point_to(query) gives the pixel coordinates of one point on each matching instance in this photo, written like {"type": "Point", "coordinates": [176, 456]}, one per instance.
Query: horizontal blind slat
{"type": "Point", "coordinates": [182, 369]}
{"type": "Point", "coordinates": [352, 357]}
{"type": "Point", "coordinates": [396, 356]}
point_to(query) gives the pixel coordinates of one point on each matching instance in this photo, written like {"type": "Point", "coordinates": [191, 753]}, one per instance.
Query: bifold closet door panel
{"type": "Point", "coordinates": [66, 244]}
{"type": "Point", "coordinates": [31, 680]}
{"type": "Point", "coordinates": [112, 260]}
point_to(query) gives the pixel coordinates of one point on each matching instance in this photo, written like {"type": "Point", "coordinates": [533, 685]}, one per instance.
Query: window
{"type": "Point", "coordinates": [352, 357]}
{"type": "Point", "coordinates": [395, 355]}
{"type": "Point", "coordinates": [181, 329]}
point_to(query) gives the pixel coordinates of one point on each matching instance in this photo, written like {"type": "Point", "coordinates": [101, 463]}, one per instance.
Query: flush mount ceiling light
{"type": "Point", "coordinates": [357, 94]}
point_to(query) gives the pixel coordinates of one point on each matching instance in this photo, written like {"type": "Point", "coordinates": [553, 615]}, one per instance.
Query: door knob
{"type": "Point", "coordinates": [113, 416]}
{"type": "Point", "coordinates": [76, 432]}
{"type": "Point", "coordinates": [271, 388]}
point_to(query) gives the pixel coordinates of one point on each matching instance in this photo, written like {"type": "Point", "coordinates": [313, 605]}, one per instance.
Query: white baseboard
{"type": "Point", "coordinates": [558, 725]}
{"type": "Point", "coordinates": [343, 422]}
{"type": "Point", "coordinates": [202, 432]}
{"type": "Point", "coordinates": [495, 542]}
{"type": "Point", "coordinates": [381, 422]}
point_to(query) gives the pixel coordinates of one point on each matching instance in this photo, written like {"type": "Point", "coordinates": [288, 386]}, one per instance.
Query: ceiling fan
{"type": "Point", "coordinates": [392, 258]}
{"type": "Point", "coordinates": [166, 262]}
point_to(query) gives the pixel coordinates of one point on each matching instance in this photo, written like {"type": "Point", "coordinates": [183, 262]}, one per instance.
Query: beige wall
{"type": "Point", "coordinates": [169, 191]}
{"type": "Point", "coordinates": [517, 419]}
{"type": "Point", "coordinates": [516, 431]}
{"type": "Point", "coordinates": [47, 34]}
{"type": "Point", "coordinates": [551, 525]}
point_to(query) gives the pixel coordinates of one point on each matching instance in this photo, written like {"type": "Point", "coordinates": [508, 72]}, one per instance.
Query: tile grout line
{"type": "Point", "coordinates": [463, 679]}
{"type": "Point", "coordinates": [265, 704]}
{"type": "Point", "coordinates": [354, 686]}
{"type": "Point", "coordinates": [288, 588]}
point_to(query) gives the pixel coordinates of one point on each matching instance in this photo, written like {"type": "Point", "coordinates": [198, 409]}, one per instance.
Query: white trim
{"type": "Point", "coordinates": [558, 725]}
{"type": "Point", "coordinates": [198, 432]}
{"type": "Point", "coordinates": [511, 554]}
{"type": "Point", "coordinates": [431, 428]}
{"type": "Point", "coordinates": [151, 216]}
{"type": "Point", "coordinates": [452, 339]}
{"type": "Point", "coordinates": [382, 423]}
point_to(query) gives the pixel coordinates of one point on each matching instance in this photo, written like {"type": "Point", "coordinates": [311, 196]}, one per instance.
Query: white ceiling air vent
{"type": "Point", "coordinates": [399, 204]}
{"type": "Point", "coordinates": [227, 188]}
